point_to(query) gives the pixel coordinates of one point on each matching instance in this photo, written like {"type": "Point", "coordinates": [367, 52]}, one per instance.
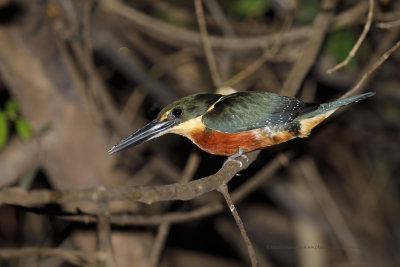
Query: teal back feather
{"type": "Point", "coordinates": [250, 110]}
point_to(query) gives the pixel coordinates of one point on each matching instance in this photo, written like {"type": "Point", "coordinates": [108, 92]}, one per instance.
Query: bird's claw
{"type": "Point", "coordinates": [234, 157]}
{"type": "Point", "coordinates": [245, 157]}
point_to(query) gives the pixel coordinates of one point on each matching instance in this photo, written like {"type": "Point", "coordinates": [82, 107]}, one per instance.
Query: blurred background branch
{"type": "Point", "coordinates": [77, 75]}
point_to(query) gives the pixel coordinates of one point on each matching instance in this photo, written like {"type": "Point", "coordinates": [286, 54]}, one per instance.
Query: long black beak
{"type": "Point", "coordinates": [144, 134]}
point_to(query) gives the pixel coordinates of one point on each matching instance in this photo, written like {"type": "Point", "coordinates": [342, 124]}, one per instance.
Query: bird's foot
{"type": "Point", "coordinates": [234, 157]}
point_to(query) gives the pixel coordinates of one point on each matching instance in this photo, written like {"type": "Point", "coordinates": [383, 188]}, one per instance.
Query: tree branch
{"type": "Point", "coordinates": [145, 194]}
{"type": "Point", "coordinates": [311, 48]}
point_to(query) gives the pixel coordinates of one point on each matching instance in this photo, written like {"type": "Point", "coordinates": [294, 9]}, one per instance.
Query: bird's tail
{"type": "Point", "coordinates": [324, 108]}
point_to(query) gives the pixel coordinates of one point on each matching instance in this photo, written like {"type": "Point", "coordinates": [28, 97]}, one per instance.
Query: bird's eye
{"type": "Point", "coordinates": [176, 112]}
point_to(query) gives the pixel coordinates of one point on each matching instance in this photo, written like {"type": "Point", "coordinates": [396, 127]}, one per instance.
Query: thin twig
{"type": "Point", "coordinates": [190, 168]}
{"type": "Point", "coordinates": [320, 27]}
{"type": "Point", "coordinates": [388, 24]}
{"type": "Point", "coordinates": [131, 108]}
{"type": "Point", "coordinates": [104, 245]}
{"type": "Point", "coordinates": [177, 36]}
{"type": "Point", "coordinates": [158, 244]}
{"type": "Point", "coordinates": [76, 257]}
{"type": "Point", "coordinates": [224, 191]}
{"type": "Point", "coordinates": [351, 17]}
{"type": "Point", "coordinates": [379, 62]}
{"type": "Point", "coordinates": [212, 63]}
{"type": "Point", "coordinates": [220, 18]}
{"type": "Point", "coordinates": [16, 158]}
{"type": "Point", "coordinates": [325, 200]}
{"type": "Point", "coordinates": [252, 67]}
{"type": "Point", "coordinates": [163, 229]}
{"type": "Point", "coordinates": [355, 48]}
{"type": "Point", "coordinates": [225, 56]}
{"type": "Point", "coordinates": [268, 53]}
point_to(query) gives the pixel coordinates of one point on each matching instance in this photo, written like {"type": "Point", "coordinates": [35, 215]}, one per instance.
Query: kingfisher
{"type": "Point", "coordinates": [230, 125]}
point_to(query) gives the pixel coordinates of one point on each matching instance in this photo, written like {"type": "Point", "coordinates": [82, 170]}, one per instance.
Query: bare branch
{"type": "Point", "coordinates": [311, 48]}
{"type": "Point", "coordinates": [159, 243]}
{"type": "Point", "coordinates": [388, 25]}
{"type": "Point", "coordinates": [209, 209]}
{"type": "Point", "coordinates": [180, 37]}
{"type": "Point", "coordinates": [220, 17]}
{"type": "Point", "coordinates": [312, 177]}
{"type": "Point", "coordinates": [224, 191]}
{"type": "Point", "coordinates": [104, 245]}
{"type": "Point", "coordinates": [16, 159]}
{"type": "Point", "coordinates": [163, 229]}
{"type": "Point", "coordinates": [73, 256]}
{"type": "Point", "coordinates": [212, 63]}
{"type": "Point", "coordinates": [145, 194]}
{"type": "Point", "coordinates": [268, 53]}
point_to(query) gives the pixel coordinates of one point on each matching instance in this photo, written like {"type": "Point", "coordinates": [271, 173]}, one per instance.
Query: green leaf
{"type": "Point", "coordinates": [253, 8]}
{"type": "Point", "coordinates": [339, 43]}
{"type": "Point", "coordinates": [11, 109]}
{"type": "Point", "coordinates": [23, 129]}
{"type": "Point", "coordinates": [3, 129]}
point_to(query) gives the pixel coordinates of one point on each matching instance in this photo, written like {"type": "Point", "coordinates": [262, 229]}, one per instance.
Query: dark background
{"type": "Point", "coordinates": [77, 76]}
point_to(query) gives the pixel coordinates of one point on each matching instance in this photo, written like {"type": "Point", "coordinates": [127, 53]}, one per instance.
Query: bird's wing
{"type": "Point", "coordinates": [249, 110]}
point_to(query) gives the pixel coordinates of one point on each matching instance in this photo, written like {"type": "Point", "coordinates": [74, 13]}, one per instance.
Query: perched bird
{"type": "Point", "coordinates": [237, 123]}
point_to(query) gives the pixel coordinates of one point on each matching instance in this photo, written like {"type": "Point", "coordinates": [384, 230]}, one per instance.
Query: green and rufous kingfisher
{"type": "Point", "coordinates": [230, 125]}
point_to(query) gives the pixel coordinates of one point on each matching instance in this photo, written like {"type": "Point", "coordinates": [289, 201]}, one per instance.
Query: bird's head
{"type": "Point", "coordinates": [169, 119]}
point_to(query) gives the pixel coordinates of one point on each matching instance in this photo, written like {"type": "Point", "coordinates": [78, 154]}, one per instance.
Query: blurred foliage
{"type": "Point", "coordinates": [3, 128]}
{"type": "Point", "coordinates": [248, 9]}
{"type": "Point", "coordinates": [178, 19]}
{"type": "Point", "coordinates": [23, 129]}
{"type": "Point", "coordinates": [339, 43]}
{"type": "Point", "coordinates": [306, 11]}
{"type": "Point", "coordinates": [10, 113]}
{"type": "Point", "coordinates": [11, 109]}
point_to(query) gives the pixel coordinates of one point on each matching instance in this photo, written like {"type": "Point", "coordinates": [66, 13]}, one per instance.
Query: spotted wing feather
{"type": "Point", "coordinates": [249, 110]}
